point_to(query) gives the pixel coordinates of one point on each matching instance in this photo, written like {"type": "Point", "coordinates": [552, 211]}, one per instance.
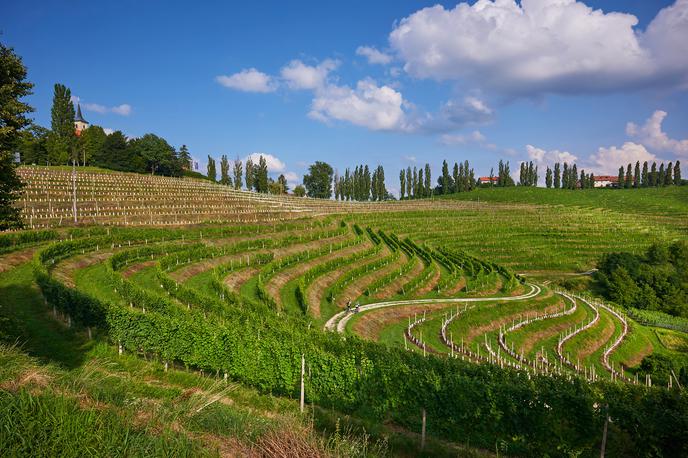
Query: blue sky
{"type": "Point", "coordinates": [397, 83]}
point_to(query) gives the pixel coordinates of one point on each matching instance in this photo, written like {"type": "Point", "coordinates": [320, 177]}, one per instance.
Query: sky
{"type": "Point", "coordinates": [397, 83]}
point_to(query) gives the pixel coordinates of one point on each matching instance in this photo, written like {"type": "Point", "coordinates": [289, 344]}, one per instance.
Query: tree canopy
{"type": "Point", "coordinates": [318, 180]}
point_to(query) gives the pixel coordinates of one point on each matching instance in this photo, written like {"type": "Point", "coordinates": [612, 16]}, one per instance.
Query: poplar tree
{"type": "Point", "coordinates": [677, 173]}
{"type": "Point", "coordinates": [653, 175]}
{"type": "Point", "coordinates": [428, 181]}
{"type": "Point", "coordinates": [565, 176]}
{"type": "Point", "coordinates": [574, 177]}
{"type": "Point", "coordinates": [636, 175]}
{"type": "Point", "coordinates": [668, 179]}
{"type": "Point", "coordinates": [644, 177]}
{"type": "Point", "coordinates": [419, 187]}
{"type": "Point", "coordinates": [212, 172]}
{"type": "Point", "coordinates": [660, 175]}
{"type": "Point", "coordinates": [13, 87]}
{"type": "Point", "coordinates": [62, 138]}
{"type": "Point", "coordinates": [402, 184]}
{"type": "Point", "coordinates": [458, 185]}
{"type": "Point", "coordinates": [548, 178]}
{"type": "Point", "coordinates": [409, 183]}
{"type": "Point", "coordinates": [557, 176]}
{"type": "Point", "coordinates": [621, 177]}
{"type": "Point", "coordinates": [445, 177]}
{"type": "Point", "coordinates": [224, 171]}
{"type": "Point", "coordinates": [249, 174]}
{"type": "Point", "coordinates": [238, 172]}
{"type": "Point", "coordinates": [261, 179]}
{"type": "Point", "coordinates": [629, 177]}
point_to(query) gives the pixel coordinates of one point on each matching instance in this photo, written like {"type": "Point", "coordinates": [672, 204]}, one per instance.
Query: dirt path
{"type": "Point", "coordinates": [392, 288]}
{"type": "Point", "coordinates": [65, 270]}
{"type": "Point", "coordinates": [358, 286]}
{"type": "Point", "coordinates": [235, 280]}
{"type": "Point", "coordinates": [134, 268]}
{"type": "Point", "coordinates": [458, 286]}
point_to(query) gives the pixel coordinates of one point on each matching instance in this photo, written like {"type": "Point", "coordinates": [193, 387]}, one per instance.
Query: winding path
{"type": "Point", "coordinates": [339, 320]}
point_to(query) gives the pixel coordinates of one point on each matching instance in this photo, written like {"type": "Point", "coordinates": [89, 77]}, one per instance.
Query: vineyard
{"type": "Point", "coordinates": [403, 312]}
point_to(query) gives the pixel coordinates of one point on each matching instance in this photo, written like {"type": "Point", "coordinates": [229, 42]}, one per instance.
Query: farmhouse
{"type": "Point", "coordinates": [606, 181]}
{"type": "Point", "coordinates": [488, 180]}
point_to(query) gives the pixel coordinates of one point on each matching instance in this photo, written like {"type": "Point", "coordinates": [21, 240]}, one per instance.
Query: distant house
{"type": "Point", "coordinates": [606, 181]}
{"type": "Point", "coordinates": [488, 180]}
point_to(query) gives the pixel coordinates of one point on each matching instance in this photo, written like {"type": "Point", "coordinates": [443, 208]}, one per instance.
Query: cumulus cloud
{"type": "Point", "coordinates": [368, 105]}
{"type": "Point", "coordinates": [273, 162]}
{"type": "Point", "coordinates": [122, 110]}
{"type": "Point", "coordinates": [544, 158]}
{"type": "Point", "coordinates": [248, 80]}
{"type": "Point", "coordinates": [292, 179]}
{"type": "Point", "coordinates": [534, 47]}
{"type": "Point", "coordinates": [652, 136]}
{"type": "Point", "coordinates": [608, 160]}
{"type": "Point", "coordinates": [298, 75]}
{"type": "Point", "coordinates": [374, 55]}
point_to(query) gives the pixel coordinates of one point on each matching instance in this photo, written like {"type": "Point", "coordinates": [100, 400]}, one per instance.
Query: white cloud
{"type": "Point", "coordinates": [411, 158]}
{"type": "Point", "coordinates": [460, 139]}
{"type": "Point", "coordinates": [368, 105]}
{"type": "Point", "coordinates": [273, 162]}
{"type": "Point", "coordinates": [248, 80]}
{"type": "Point", "coordinates": [292, 179]}
{"type": "Point", "coordinates": [608, 160]}
{"type": "Point", "coordinates": [651, 135]}
{"type": "Point", "coordinates": [373, 55]}
{"type": "Point", "coordinates": [122, 110]}
{"type": "Point", "coordinates": [545, 158]}
{"type": "Point", "coordinates": [301, 76]}
{"type": "Point", "coordinates": [544, 46]}
{"type": "Point", "coordinates": [108, 131]}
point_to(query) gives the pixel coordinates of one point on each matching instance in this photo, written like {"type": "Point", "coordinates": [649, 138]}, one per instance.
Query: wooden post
{"type": "Point", "coordinates": [422, 433]}
{"type": "Point", "coordinates": [604, 436]}
{"type": "Point", "coordinates": [303, 371]}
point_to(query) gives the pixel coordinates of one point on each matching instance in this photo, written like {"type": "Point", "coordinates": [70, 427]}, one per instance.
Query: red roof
{"type": "Point", "coordinates": [611, 178]}
{"type": "Point", "coordinates": [488, 179]}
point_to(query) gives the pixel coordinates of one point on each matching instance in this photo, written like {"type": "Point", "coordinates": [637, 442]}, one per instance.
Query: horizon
{"type": "Point", "coordinates": [373, 95]}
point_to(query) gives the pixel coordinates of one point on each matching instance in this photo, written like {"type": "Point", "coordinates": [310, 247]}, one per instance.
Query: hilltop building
{"type": "Point", "coordinates": [606, 181]}
{"type": "Point", "coordinates": [80, 124]}
{"type": "Point", "coordinates": [488, 180]}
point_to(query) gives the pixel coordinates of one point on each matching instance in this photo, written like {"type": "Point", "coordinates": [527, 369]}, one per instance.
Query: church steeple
{"type": "Point", "coordinates": [79, 122]}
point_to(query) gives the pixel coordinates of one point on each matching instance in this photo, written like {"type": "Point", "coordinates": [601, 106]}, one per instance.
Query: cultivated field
{"type": "Point", "coordinates": [453, 313]}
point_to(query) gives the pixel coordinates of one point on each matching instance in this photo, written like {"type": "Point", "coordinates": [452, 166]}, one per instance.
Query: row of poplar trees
{"type": "Point", "coordinates": [256, 175]}
{"type": "Point", "coordinates": [361, 185]}
{"type": "Point", "coordinates": [649, 176]}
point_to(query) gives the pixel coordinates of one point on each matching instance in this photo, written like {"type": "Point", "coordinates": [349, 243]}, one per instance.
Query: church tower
{"type": "Point", "coordinates": [79, 122]}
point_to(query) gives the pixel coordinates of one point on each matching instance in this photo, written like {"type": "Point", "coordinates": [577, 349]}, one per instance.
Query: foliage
{"type": "Point", "coordinates": [13, 87]}
{"type": "Point", "coordinates": [657, 280]}
{"type": "Point", "coordinates": [318, 180]}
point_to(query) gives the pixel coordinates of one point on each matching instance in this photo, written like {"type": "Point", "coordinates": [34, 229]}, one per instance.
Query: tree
{"type": "Point", "coordinates": [318, 180]}
{"type": "Point", "coordinates": [668, 179]}
{"type": "Point", "coordinates": [402, 184]}
{"type": "Point", "coordinates": [677, 173]}
{"type": "Point", "coordinates": [92, 143]}
{"type": "Point", "coordinates": [32, 145]}
{"type": "Point", "coordinates": [62, 138]}
{"type": "Point", "coordinates": [621, 179]}
{"type": "Point", "coordinates": [419, 185]}
{"type": "Point", "coordinates": [628, 183]}
{"type": "Point", "coordinates": [409, 184]}
{"type": "Point", "coordinates": [636, 175]}
{"type": "Point", "coordinates": [565, 175]}
{"type": "Point", "coordinates": [445, 184]}
{"type": "Point", "coordinates": [573, 177]}
{"type": "Point", "coordinates": [212, 171]}
{"type": "Point", "coordinates": [548, 178]}
{"type": "Point", "coordinates": [156, 153]}
{"type": "Point", "coordinates": [224, 171]}
{"type": "Point", "coordinates": [455, 172]}
{"type": "Point", "coordinates": [13, 87]}
{"type": "Point", "coordinates": [299, 190]}
{"type": "Point", "coordinates": [249, 174]}
{"type": "Point", "coordinates": [557, 176]}
{"type": "Point", "coordinates": [653, 175]}
{"type": "Point", "coordinates": [644, 177]}
{"type": "Point", "coordinates": [282, 182]}
{"type": "Point", "coordinates": [237, 173]}
{"type": "Point", "coordinates": [184, 158]}
{"type": "Point", "coordinates": [660, 175]}
{"type": "Point", "coordinates": [428, 181]}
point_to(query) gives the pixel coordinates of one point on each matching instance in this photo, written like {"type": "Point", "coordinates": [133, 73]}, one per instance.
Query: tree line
{"type": "Point", "coordinates": [360, 185]}
{"type": "Point", "coordinates": [649, 177]}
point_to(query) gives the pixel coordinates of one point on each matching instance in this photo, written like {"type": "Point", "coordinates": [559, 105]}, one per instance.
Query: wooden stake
{"type": "Point", "coordinates": [303, 371]}
{"type": "Point", "coordinates": [422, 433]}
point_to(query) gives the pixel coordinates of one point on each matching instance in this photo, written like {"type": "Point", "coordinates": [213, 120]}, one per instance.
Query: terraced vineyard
{"type": "Point", "coordinates": [396, 312]}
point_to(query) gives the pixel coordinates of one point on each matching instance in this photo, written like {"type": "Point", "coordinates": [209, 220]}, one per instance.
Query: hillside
{"type": "Point", "coordinates": [188, 338]}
